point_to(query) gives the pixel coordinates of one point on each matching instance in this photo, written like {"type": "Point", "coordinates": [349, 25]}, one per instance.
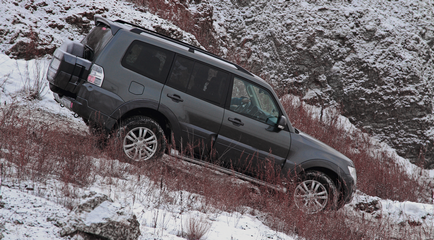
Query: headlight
{"type": "Point", "coordinates": [353, 174]}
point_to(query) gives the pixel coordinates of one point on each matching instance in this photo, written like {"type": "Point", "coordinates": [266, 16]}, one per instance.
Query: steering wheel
{"type": "Point", "coordinates": [260, 115]}
{"type": "Point", "coordinates": [242, 107]}
{"type": "Point", "coordinates": [252, 110]}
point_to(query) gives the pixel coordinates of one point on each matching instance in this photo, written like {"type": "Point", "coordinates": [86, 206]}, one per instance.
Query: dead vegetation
{"type": "Point", "coordinates": [35, 150]}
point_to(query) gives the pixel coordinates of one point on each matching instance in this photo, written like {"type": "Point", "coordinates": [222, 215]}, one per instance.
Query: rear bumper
{"type": "Point", "coordinates": [81, 108]}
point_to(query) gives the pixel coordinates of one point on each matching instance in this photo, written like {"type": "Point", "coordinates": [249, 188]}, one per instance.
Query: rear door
{"type": "Point", "coordinates": [248, 140]}
{"type": "Point", "coordinates": [195, 94]}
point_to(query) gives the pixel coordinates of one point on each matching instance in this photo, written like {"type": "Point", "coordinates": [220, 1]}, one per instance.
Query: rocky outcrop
{"type": "Point", "coordinates": [97, 217]}
{"type": "Point", "coordinates": [39, 27]}
{"type": "Point", "coordinates": [371, 59]}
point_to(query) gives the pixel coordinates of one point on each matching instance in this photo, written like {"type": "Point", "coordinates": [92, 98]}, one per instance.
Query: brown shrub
{"type": "Point", "coordinates": [39, 149]}
{"type": "Point", "coordinates": [377, 172]}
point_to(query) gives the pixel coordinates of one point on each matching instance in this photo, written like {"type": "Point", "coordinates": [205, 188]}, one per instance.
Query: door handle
{"type": "Point", "coordinates": [236, 121]}
{"type": "Point", "coordinates": [175, 97]}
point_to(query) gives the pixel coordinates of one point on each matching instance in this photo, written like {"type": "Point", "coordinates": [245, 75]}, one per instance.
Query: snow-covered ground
{"type": "Point", "coordinates": [25, 215]}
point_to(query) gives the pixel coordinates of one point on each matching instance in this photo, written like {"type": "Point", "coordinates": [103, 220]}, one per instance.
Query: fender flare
{"type": "Point", "coordinates": [127, 107]}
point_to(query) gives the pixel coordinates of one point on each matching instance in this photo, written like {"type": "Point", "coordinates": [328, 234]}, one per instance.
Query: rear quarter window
{"type": "Point", "coordinates": [148, 60]}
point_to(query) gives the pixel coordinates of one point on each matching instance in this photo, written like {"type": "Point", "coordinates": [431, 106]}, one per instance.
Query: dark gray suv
{"type": "Point", "coordinates": [152, 90]}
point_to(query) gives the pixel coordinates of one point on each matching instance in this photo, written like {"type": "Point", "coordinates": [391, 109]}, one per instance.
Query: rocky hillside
{"type": "Point", "coordinates": [373, 59]}
{"type": "Point", "coordinates": [40, 26]}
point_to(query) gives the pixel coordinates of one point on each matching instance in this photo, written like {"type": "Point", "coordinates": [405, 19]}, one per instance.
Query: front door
{"type": "Point", "coordinates": [248, 140]}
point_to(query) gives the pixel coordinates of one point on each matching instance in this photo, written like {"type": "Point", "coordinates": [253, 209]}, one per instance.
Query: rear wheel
{"type": "Point", "coordinates": [142, 139]}
{"type": "Point", "coordinates": [315, 192]}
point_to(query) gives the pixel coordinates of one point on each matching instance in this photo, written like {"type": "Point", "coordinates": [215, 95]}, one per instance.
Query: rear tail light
{"type": "Point", "coordinates": [96, 75]}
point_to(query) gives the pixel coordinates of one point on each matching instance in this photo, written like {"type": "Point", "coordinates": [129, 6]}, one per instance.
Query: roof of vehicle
{"type": "Point", "coordinates": [138, 29]}
{"type": "Point", "coordinates": [118, 24]}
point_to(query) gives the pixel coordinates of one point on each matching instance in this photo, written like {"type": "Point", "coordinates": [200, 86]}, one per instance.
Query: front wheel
{"type": "Point", "coordinates": [142, 139]}
{"type": "Point", "coordinates": [315, 192]}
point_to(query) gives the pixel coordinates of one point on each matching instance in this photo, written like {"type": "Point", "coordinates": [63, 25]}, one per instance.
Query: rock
{"type": "Point", "coordinates": [353, 56]}
{"type": "Point", "coordinates": [97, 217]}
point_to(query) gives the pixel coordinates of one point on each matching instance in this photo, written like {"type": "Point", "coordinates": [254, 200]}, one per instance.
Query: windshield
{"type": "Point", "coordinates": [96, 40]}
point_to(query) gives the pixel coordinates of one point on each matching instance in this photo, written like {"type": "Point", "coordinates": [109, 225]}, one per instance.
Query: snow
{"type": "Point", "coordinates": [23, 215]}
{"type": "Point", "coordinates": [398, 212]}
{"type": "Point", "coordinates": [102, 213]}
{"type": "Point", "coordinates": [48, 19]}
{"type": "Point", "coordinates": [26, 216]}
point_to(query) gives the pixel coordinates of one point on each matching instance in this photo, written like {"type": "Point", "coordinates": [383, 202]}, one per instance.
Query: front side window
{"type": "Point", "coordinates": [148, 60]}
{"type": "Point", "coordinates": [253, 101]}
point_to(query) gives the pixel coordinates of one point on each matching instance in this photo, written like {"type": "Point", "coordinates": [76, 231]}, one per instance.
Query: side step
{"type": "Point", "coordinates": [229, 172]}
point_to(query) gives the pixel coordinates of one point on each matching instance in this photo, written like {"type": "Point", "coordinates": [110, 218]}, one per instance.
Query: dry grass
{"type": "Point", "coordinates": [34, 80]}
{"type": "Point", "coordinates": [196, 228]}
{"type": "Point", "coordinates": [378, 173]}
{"type": "Point", "coordinates": [34, 150]}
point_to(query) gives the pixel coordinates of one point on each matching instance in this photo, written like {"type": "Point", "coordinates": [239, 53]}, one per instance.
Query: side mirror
{"type": "Point", "coordinates": [282, 123]}
{"type": "Point", "coordinates": [276, 124]}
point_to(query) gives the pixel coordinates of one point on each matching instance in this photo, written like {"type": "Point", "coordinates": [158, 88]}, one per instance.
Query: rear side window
{"type": "Point", "coordinates": [199, 80]}
{"type": "Point", "coordinates": [148, 60]}
{"type": "Point", "coordinates": [208, 83]}
{"type": "Point", "coordinates": [181, 72]}
{"type": "Point", "coordinates": [96, 40]}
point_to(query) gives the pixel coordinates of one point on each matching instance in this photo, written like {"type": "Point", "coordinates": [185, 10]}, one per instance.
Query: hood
{"type": "Point", "coordinates": [315, 149]}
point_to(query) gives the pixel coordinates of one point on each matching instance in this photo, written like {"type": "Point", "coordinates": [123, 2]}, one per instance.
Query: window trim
{"type": "Point", "coordinates": [187, 91]}
{"type": "Point", "coordinates": [229, 97]}
{"type": "Point", "coordinates": [168, 63]}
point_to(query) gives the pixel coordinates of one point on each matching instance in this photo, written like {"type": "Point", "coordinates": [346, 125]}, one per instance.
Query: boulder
{"type": "Point", "coordinates": [98, 217]}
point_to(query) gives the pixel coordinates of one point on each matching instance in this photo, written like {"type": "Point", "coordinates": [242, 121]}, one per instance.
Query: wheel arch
{"type": "Point", "coordinates": [151, 113]}
{"type": "Point", "coordinates": [142, 107]}
{"type": "Point", "coordinates": [331, 170]}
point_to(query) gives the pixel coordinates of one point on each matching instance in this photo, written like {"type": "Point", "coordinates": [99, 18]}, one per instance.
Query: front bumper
{"type": "Point", "coordinates": [349, 190]}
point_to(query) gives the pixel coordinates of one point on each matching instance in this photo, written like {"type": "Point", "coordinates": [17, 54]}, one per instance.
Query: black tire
{"type": "Point", "coordinates": [141, 139]}
{"type": "Point", "coordinates": [316, 192]}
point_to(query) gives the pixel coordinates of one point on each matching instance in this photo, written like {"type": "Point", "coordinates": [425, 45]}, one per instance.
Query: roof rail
{"type": "Point", "coordinates": [138, 29]}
